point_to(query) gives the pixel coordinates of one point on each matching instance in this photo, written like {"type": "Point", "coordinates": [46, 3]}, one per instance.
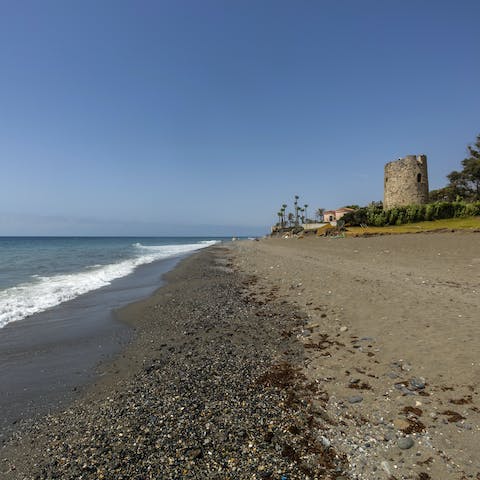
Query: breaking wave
{"type": "Point", "coordinates": [44, 292]}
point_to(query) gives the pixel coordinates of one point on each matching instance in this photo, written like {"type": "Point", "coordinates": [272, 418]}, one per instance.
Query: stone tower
{"type": "Point", "coordinates": [406, 182]}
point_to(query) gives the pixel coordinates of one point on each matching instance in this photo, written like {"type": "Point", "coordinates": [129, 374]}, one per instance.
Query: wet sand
{"type": "Point", "coordinates": [48, 359]}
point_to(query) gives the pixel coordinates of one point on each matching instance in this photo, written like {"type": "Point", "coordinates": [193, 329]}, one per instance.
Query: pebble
{"type": "Point", "coordinates": [325, 442]}
{"type": "Point", "coordinates": [405, 443]}
{"type": "Point", "coordinates": [417, 383]}
{"type": "Point", "coordinates": [401, 424]}
{"type": "Point", "coordinates": [355, 399]}
{"type": "Point", "coordinates": [465, 426]}
{"type": "Point", "coordinates": [386, 467]}
{"type": "Point", "coordinates": [389, 436]}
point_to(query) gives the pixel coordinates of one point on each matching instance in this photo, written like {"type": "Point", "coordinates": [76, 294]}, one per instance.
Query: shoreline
{"type": "Point", "coordinates": [205, 390]}
{"type": "Point", "coordinates": [50, 358]}
{"type": "Point", "coordinates": [263, 359]}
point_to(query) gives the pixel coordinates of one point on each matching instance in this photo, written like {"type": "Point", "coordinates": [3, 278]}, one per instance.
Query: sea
{"type": "Point", "coordinates": [38, 273]}
{"type": "Point", "coordinates": [59, 298]}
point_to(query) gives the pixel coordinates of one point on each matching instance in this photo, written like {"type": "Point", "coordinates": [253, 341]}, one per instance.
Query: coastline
{"type": "Point", "coordinates": [313, 358]}
{"type": "Point", "coordinates": [48, 359]}
{"type": "Point", "coordinates": [209, 388]}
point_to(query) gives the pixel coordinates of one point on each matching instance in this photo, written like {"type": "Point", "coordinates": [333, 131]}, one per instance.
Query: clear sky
{"type": "Point", "coordinates": [174, 117]}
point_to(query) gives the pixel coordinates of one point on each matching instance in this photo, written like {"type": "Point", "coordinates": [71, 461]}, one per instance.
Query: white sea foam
{"type": "Point", "coordinates": [43, 293]}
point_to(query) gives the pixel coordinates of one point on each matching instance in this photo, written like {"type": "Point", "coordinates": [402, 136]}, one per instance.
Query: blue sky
{"type": "Point", "coordinates": [169, 117]}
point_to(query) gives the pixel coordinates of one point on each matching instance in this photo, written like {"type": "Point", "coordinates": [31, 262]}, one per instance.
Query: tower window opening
{"type": "Point", "coordinates": [419, 177]}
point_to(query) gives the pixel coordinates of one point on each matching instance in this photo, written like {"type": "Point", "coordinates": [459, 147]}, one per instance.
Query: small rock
{"type": "Point", "coordinates": [389, 436]}
{"type": "Point", "coordinates": [405, 443]}
{"type": "Point", "coordinates": [355, 399]}
{"type": "Point", "coordinates": [343, 328]}
{"type": "Point", "coordinates": [417, 383]}
{"type": "Point", "coordinates": [404, 389]}
{"type": "Point", "coordinates": [195, 453]}
{"type": "Point", "coordinates": [325, 442]}
{"type": "Point", "coordinates": [465, 426]}
{"type": "Point", "coordinates": [401, 424]}
{"type": "Point", "coordinates": [266, 474]}
{"type": "Point", "coordinates": [386, 467]}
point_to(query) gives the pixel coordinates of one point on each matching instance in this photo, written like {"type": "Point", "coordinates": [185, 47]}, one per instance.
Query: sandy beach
{"type": "Point", "coordinates": [392, 336]}
{"type": "Point", "coordinates": [351, 358]}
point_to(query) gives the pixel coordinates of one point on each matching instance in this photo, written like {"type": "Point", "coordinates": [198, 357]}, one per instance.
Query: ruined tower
{"type": "Point", "coordinates": [406, 182]}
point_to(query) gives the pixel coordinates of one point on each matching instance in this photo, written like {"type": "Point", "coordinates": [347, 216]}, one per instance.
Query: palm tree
{"type": "Point", "coordinates": [319, 213]}
{"type": "Point", "coordinates": [280, 217]}
{"type": "Point", "coordinates": [284, 208]}
{"type": "Point", "coordinates": [296, 209]}
{"type": "Point", "coordinates": [283, 214]}
{"type": "Point", "coordinates": [305, 208]}
{"type": "Point", "coordinates": [290, 218]}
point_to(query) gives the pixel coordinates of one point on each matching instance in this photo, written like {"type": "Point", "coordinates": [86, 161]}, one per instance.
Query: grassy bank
{"type": "Point", "coordinates": [469, 224]}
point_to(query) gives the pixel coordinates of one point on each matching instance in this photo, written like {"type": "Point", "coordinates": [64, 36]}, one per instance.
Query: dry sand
{"type": "Point", "coordinates": [385, 316]}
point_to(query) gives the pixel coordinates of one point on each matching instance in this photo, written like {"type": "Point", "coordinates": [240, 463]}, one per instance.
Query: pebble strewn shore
{"type": "Point", "coordinates": [211, 388]}
{"type": "Point", "coordinates": [391, 339]}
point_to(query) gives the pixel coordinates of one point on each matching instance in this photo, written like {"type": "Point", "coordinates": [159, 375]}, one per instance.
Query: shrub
{"type": "Point", "coordinates": [472, 209]}
{"type": "Point", "coordinates": [357, 217]}
{"type": "Point", "coordinates": [374, 215]}
{"type": "Point", "coordinates": [429, 211]}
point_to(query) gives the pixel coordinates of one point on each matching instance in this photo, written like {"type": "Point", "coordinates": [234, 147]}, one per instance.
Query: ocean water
{"type": "Point", "coordinates": [38, 273]}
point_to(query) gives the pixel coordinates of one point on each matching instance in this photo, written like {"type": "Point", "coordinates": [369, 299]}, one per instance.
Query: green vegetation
{"type": "Point", "coordinates": [374, 214]}
{"type": "Point", "coordinates": [465, 184]}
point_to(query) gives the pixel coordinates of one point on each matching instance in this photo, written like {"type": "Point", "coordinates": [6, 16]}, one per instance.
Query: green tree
{"type": "Point", "coordinates": [319, 213]}
{"type": "Point", "coordinates": [450, 193]}
{"type": "Point", "coordinates": [305, 209]}
{"type": "Point", "coordinates": [471, 170]}
{"type": "Point", "coordinates": [464, 184]}
{"type": "Point", "coordinates": [280, 216]}
{"type": "Point", "coordinates": [296, 208]}
{"type": "Point", "coordinates": [284, 208]}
